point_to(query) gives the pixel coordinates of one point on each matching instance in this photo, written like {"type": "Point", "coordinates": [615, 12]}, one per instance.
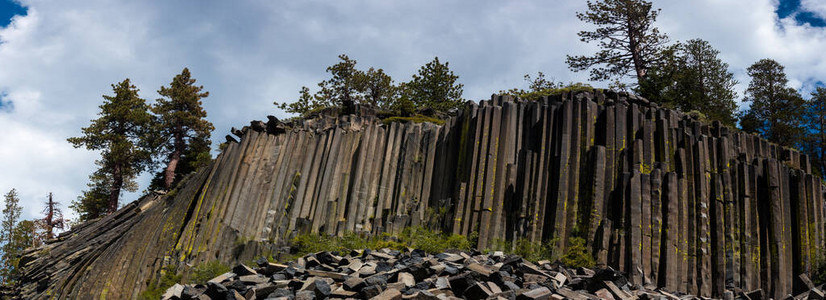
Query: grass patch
{"type": "Point", "coordinates": [169, 277]}
{"type": "Point", "coordinates": [435, 242]}
{"type": "Point", "coordinates": [819, 270]}
{"type": "Point", "coordinates": [576, 254]}
{"type": "Point", "coordinates": [205, 271]}
{"type": "Point", "coordinates": [414, 119]}
{"type": "Point", "coordinates": [532, 251]}
{"type": "Point", "coordinates": [536, 95]}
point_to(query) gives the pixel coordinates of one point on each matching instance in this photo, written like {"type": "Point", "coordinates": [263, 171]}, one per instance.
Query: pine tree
{"type": "Point", "coordinates": [775, 110]}
{"type": "Point", "coordinates": [11, 214]}
{"type": "Point", "coordinates": [343, 88]}
{"type": "Point", "coordinates": [539, 87]}
{"type": "Point", "coordinates": [629, 42]}
{"type": "Point", "coordinates": [750, 122]}
{"type": "Point", "coordinates": [435, 87]}
{"type": "Point", "coordinates": [691, 77]}
{"type": "Point", "coordinates": [26, 234]}
{"type": "Point", "coordinates": [815, 144]}
{"type": "Point", "coordinates": [120, 133]}
{"type": "Point", "coordinates": [11, 217]}
{"type": "Point", "coordinates": [92, 203]}
{"type": "Point", "coordinates": [540, 83]}
{"type": "Point", "coordinates": [377, 87]}
{"type": "Point", "coordinates": [305, 104]}
{"type": "Point", "coordinates": [347, 87]}
{"type": "Point", "coordinates": [182, 124]}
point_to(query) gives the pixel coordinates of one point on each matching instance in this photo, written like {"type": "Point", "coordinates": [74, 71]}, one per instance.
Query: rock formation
{"type": "Point", "coordinates": [657, 194]}
{"type": "Point", "coordinates": [414, 274]}
{"type": "Point", "coordinates": [391, 274]}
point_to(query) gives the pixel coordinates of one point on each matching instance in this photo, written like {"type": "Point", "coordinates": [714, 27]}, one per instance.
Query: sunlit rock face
{"type": "Point", "coordinates": [671, 201]}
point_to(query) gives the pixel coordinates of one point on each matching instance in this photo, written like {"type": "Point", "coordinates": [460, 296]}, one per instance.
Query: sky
{"type": "Point", "coordinates": [58, 57]}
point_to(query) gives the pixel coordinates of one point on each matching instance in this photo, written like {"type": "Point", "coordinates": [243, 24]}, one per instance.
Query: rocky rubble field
{"type": "Point", "coordinates": [414, 274]}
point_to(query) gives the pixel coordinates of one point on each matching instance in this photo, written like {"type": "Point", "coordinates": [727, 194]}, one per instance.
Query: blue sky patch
{"type": "Point", "coordinates": [5, 105]}
{"type": "Point", "coordinates": [792, 7]}
{"type": "Point", "coordinates": [8, 9]}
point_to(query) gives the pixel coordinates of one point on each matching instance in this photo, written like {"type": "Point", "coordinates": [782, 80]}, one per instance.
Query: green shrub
{"type": "Point", "coordinates": [311, 243]}
{"type": "Point", "coordinates": [169, 277]}
{"type": "Point", "coordinates": [536, 95]}
{"type": "Point", "coordinates": [435, 242]}
{"type": "Point", "coordinates": [205, 271]}
{"type": "Point", "coordinates": [413, 237]}
{"type": "Point", "coordinates": [819, 270]}
{"type": "Point", "coordinates": [351, 240]}
{"type": "Point", "coordinates": [387, 244]}
{"type": "Point", "coordinates": [458, 241]}
{"type": "Point", "coordinates": [534, 251]}
{"type": "Point", "coordinates": [576, 254]}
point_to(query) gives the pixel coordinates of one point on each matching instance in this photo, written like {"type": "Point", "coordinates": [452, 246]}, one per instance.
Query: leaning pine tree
{"type": "Point", "coordinates": [183, 129]}
{"type": "Point", "coordinates": [120, 135]}
{"type": "Point", "coordinates": [628, 41]}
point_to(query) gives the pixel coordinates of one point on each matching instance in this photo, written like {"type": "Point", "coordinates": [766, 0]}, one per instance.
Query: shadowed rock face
{"type": "Point", "coordinates": [667, 199]}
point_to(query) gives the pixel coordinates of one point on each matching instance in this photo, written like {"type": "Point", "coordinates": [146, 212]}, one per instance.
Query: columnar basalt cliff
{"type": "Point", "coordinates": [675, 203]}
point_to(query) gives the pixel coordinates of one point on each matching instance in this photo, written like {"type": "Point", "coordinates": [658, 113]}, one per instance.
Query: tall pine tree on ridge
{"type": "Point", "coordinates": [120, 133]}
{"type": "Point", "coordinates": [182, 126]}
{"type": "Point", "coordinates": [776, 110]}
{"type": "Point", "coordinates": [629, 42]}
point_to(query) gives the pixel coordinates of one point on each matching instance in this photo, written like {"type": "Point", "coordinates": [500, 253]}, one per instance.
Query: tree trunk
{"type": "Point", "coordinates": [634, 45]}
{"type": "Point", "coordinates": [114, 190]}
{"type": "Point", "coordinates": [49, 218]}
{"type": "Point", "coordinates": [174, 158]}
{"type": "Point", "coordinates": [822, 142]}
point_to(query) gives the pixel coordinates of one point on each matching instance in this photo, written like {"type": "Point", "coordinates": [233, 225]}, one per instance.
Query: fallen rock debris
{"type": "Point", "coordinates": [413, 274]}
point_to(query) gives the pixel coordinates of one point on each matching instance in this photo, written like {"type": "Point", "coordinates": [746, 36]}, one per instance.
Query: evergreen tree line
{"type": "Point", "coordinates": [171, 136]}
{"type": "Point", "coordinates": [16, 235]}
{"type": "Point", "coordinates": [690, 76]}
{"type": "Point", "coordinates": [434, 87]}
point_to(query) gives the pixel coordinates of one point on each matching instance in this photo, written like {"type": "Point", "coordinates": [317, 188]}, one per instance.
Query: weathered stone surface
{"type": "Point", "coordinates": [389, 294]}
{"type": "Point", "coordinates": [535, 294]}
{"type": "Point", "coordinates": [675, 203]}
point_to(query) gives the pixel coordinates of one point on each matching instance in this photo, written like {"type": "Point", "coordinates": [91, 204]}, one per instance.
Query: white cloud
{"type": "Point", "coordinates": [818, 7]}
{"type": "Point", "coordinates": [58, 60]}
{"type": "Point", "coordinates": [746, 31]}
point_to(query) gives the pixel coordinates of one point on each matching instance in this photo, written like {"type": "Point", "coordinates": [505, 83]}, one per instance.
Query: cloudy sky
{"type": "Point", "coordinates": [58, 57]}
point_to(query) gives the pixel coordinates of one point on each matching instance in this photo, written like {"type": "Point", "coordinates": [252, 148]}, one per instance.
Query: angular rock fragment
{"type": "Point", "coordinates": [389, 294]}
{"type": "Point", "coordinates": [242, 270]}
{"type": "Point", "coordinates": [535, 294]}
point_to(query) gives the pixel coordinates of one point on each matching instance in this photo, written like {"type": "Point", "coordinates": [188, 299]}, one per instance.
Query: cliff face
{"type": "Point", "coordinates": [671, 201]}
